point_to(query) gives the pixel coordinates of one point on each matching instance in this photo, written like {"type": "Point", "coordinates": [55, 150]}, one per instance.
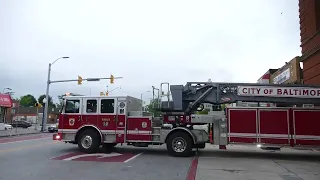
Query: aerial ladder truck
{"type": "Point", "coordinates": [125, 122]}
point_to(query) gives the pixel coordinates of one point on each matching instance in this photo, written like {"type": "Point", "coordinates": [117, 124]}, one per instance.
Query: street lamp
{"type": "Point", "coordinates": [142, 99]}
{"type": "Point", "coordinates": [6, 89]}
{"type": "Point", "coordinates": [45, 112]}
{"type": "Point", "coordinates": [115, 89]}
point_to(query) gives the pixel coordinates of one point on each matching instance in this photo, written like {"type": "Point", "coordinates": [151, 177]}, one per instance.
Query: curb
{"type": "Point", "coordinates": [23, 134]}
{"type": "Point", "coordinates": [192, 172]}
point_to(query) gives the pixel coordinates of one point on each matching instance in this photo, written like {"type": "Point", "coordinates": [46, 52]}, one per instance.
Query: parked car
{"type": "Point", "coordinates": [53, 128]}
{"type": "Point", "coordinates": [23, 124]}
{"type": "Point", "coordinates": [7, 127]}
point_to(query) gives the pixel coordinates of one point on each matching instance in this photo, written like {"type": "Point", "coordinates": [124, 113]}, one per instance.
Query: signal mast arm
{"type": "Point", "coordinates": [188, 98]}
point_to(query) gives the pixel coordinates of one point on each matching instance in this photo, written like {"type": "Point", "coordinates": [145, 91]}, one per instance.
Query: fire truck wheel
{"type": "Point", "coordinates": [89, 141]}
{"type": "Point", "coordinates": [199, 146]}
{"type": "Point", "coordinates": [179, 144]}
{"type": "Point", "coordinates": [109, 145]}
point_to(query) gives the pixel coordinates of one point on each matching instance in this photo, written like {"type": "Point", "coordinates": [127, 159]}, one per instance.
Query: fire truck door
{"type": "Point", "coordinates": [71, 118]}
{"type": "Point", "coordinates": [107, 117]}
{"type": "Point", "coordinates": [90, 111]}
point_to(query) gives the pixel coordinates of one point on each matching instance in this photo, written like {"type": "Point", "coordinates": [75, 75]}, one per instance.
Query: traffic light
{"type": "Point", "coordinates": [101, 94]}
{"type": "Point", "coordinates": [37, 105]}
{"type": "Point", "coordinates": [111, 79]}
{"type": "Point", "coordinates": [107, 93]}
{"type": "Point", "coordinates": [79, 80]}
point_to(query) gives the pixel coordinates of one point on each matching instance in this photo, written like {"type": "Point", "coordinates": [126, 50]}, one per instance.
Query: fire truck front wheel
{"type": "Point", "coordinates": [179, 144]}
{"type": "Point", "coordinates": [89, 141]}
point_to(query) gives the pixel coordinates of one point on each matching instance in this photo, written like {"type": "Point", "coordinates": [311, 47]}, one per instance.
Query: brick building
{"type": "Point", "coordinates": [309, 11]}
{"type": "Point", "coordinates": [16, 112]}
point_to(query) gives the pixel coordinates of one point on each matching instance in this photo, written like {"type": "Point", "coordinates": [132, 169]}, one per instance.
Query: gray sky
{"type": "Point", "coordinates": [146, 42]}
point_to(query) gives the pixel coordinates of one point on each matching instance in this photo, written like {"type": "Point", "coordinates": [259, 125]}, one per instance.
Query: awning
{"type": "Point", "coordinates": [5, 100]}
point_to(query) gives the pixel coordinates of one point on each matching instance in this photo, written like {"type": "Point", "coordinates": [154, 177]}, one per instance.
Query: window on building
{"type": "Point", "coordinates": [91, 106]}
{"type": "Point", "coordinates": [72, 106]}
{"type": "Point", "coordinates": [107, 105]}
{"type": "Point", "coordinates": [317, 10]}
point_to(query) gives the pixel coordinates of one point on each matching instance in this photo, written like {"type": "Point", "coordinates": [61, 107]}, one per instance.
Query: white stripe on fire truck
{"type": "Point", "coordinates": [109, 131]}
{"type": "Point", "coordinates": [307, 137]}
{"type": "Point", "coordinates": [254, 135]}
{"type": "Point", "coordinates": [128, 131]}
{"type": "Point", "coordinates": [67, 130]}
{"type": "Point", "coordinates": [278, 136]}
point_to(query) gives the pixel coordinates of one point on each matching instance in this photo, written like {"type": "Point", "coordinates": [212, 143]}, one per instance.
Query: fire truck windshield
{"type": "Point", "coordinates": [72, 106]}
{"type": "Point", "coordinates": [62, 106]}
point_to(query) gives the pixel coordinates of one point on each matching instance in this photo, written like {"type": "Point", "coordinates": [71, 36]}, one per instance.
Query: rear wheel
{"type": "Point", "coordinates": [179, 144]}
{"type": "Point", "coordinates": [89, 141]}
{"type": "Point", "coordinates": [109, 145]}
{"type": "Point", "coordinates": [199, 146]}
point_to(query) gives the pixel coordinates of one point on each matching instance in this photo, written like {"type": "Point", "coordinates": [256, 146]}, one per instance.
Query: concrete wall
{"type": "Point", "coordinates": [309, 11]}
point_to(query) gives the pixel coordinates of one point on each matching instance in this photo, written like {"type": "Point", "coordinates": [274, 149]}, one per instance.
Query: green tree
{"type": "Point", "coordinates": [152, 107]}
{"type": "Point", "coordinates": [59, 105]}
{"type": "Point", "coordinates": [27, 100]}
{"type": "Point", "coordinates": [204, 111]}
{"type": "Point", "coordinates": [40, 100]}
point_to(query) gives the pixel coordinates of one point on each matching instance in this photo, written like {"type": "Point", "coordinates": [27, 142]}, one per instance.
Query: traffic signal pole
{"type": "Point", "coordinates": [45, 113]}
{"type": "Point", "coordinates": [88, 79]}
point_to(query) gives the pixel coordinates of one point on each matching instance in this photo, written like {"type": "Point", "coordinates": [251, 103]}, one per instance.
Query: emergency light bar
{"type": "Point", "coordinates": [72, 94]}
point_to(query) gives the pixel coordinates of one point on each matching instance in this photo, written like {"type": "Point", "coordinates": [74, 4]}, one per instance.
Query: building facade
{"type": "Point", "coordinates": [5, 104]}
{"type": "Point", "coordinates": [309, 14]}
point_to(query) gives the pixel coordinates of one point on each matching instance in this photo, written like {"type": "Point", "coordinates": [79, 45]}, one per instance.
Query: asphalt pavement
{"type": "Point", "coordinates": [248, 162]}
{"type": "Point", "coordinates": [37, 157]}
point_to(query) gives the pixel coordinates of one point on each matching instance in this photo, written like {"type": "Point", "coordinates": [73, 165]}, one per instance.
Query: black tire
{"type": "Point", "coordinates": [185, 139]}
{"type": "Point", "coordinates": [88, 136]}
{"type": "Point", "coordinates": [109, 145]}
{"type": "Point", "coordinates": [199, 146]}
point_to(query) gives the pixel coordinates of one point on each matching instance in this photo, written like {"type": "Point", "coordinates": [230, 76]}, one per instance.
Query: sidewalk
{"type": "Point", "coordinates": [247, 162]}
{"type": "Point", "coordinates": [19, 131]}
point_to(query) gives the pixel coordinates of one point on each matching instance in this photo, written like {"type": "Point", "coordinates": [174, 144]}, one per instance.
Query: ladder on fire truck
{"type": "Point", "coordinates": [186, 99]}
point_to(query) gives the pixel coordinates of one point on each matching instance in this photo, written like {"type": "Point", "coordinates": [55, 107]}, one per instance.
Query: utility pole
{"type": "Point", "coordinates": [37, 116]}
{"type": "Point", "coordinates": [45, 113]}
{"type": "Point", "coordinates": [142, 99]}
{"type": "Point", "coordinates": [158, 96]}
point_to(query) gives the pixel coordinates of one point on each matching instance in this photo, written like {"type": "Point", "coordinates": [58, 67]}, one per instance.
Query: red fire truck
{"type": "Point", "coordinates": [94, 121]}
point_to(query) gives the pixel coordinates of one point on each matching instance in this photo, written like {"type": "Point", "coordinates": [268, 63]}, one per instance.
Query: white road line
{"type": "Point", "coordinates": [132, 158]}
{"type": "Point", "coordinates": [24, 140]}
{"type": "Point", "coordinates": [100, 155]}
{"type": "Point", "coordinates": [60, 155]}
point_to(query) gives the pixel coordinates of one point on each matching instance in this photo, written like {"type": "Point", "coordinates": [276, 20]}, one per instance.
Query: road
{"type": "Point", "coordinates": [32, 159]}
{"type": "Point", "coordinates": [37, 157]}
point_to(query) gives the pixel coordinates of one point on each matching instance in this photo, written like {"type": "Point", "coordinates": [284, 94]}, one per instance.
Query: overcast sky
{"type": "Point", "coordinates": [145, 42]}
